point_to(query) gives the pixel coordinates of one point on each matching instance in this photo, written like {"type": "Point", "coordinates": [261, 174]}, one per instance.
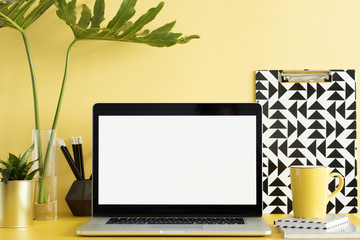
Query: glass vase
{"type": "Point", "coordinates": [45, 152]}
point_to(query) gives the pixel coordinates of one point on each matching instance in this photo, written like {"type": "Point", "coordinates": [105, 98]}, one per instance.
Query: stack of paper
{"type": "Point", "coordinates": [333, 226]}
{"type": "Point", "coordinates": [330, 221]}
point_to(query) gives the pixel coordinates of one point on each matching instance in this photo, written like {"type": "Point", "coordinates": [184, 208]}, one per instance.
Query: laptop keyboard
{"type": "Point", "coordinates": [174, 220]}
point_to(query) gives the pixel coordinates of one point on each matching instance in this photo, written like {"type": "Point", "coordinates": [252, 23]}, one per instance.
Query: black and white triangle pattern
{"type": "Point", "coordinates": [308, 124]}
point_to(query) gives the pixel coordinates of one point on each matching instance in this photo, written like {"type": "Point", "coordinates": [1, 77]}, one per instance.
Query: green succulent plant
{"type": "Point", "coordinates": [20, 14]}
{"type": "Point", "coordinates": [17, 168]}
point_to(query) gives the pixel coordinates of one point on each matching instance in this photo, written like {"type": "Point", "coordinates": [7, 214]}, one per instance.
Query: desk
{"type": "Point", "coordinates": [66, 225]}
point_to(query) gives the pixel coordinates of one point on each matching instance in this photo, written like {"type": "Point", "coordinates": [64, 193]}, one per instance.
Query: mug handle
{"type": "Point", "coordinates": [340, 186]}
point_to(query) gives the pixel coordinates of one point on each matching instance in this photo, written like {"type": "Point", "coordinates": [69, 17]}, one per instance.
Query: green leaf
{"type": "Point", "coordinates": [28, 166]}
{"type": "Point", "coordinates": [125, 13]}
{"type": "Point", "coordinates": [6, 175]}
{"type": "Point", "coordinates": [20, 14]}
{"type": "Point", "coordinates": [25, 157]}
{"type": "Point", "coordinates": [99, 11]}
{"type": "Point", "coordinates": [85, 17]}
{"type": "Point", "coordinates": [66, 11]}
{"type": "Point", "coordinates": [142, 21]}
{"type": "Point", "coordinates": [6, 164]}
{"type": "Point", "coordinates": [161, 30]}
{"type": "Point", "coordinates": [15, 175]}
{"type": "Point", "coordinates": [32, 174]}
{"type": "Point", "coordinates": [13, 160]}
{"type": "Point", "coordinates": [120, 28]}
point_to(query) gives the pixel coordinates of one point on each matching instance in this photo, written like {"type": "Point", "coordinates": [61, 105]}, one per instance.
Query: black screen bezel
{"type": "Point", "coordinates": [183, 109]}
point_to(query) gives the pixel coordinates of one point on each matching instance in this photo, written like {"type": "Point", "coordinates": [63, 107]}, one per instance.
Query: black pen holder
{"type": "Point", "coordinates": [79, 198]}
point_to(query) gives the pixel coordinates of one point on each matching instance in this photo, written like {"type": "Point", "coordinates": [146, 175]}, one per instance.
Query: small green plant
{"type": "Point", "coordinates": [17, 168]}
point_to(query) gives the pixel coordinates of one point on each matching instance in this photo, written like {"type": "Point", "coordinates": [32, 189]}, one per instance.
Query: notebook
{"type": "Point", "coordinates": [330, 221]}
{"type": "Point", "coordinates": [345, 231]}
{"type": "Point", "coordinates": [177, 169]}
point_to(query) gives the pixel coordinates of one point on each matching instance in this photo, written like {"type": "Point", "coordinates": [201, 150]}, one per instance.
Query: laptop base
{"type": "Point", "coordinates": [96, 226]}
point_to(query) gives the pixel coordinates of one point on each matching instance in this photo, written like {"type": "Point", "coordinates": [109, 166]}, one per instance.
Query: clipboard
{"type": "Point", "coordinates": [309, 118]}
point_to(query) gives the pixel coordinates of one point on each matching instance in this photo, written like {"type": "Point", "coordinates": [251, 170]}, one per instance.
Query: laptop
{"type": "Point", "coordinates": [177, 169]}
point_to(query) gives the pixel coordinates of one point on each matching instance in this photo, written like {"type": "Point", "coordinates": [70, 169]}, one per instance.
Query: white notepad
{"type": "Point", "coordinates": [330, 221]}
{"type": "Point", "coordinates": [344, 231]}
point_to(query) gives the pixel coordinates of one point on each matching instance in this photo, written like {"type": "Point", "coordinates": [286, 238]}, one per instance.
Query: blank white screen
{"type": "Point", "coordinates": [177, 160]}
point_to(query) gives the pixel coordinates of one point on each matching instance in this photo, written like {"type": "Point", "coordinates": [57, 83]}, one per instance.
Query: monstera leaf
{"type": "Point", "coordinates": [120, 28]}
{"type": "Point", "coordinates": [15, 13]}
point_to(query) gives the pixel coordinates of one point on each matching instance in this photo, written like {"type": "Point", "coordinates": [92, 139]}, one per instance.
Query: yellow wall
{"type": "Point", "coordinates": [237, 38]}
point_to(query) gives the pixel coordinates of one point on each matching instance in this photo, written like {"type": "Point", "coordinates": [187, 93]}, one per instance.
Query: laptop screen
{"type": "Point", "coordinates": [177, 160]}
{"type": "Point", "coordinates": [169, 159]}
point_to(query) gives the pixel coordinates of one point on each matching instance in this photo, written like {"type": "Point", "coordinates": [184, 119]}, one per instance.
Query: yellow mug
{"type": "Point", "coordinates": [309, 187]}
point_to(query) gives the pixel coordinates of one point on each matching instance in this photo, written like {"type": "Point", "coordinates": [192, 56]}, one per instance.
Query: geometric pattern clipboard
{"type": "Point", "coordinates": [308, 123]}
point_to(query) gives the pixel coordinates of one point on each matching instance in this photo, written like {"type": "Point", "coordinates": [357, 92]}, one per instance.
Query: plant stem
{"type": "Point", "coordinates": [63, 85]}
{"type": "Point", "coordinates": [35, 96]}
{"type": "Point", "coordinates": [42, 196]}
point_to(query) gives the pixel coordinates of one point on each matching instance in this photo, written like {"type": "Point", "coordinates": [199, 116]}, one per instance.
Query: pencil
{"type": "Point", "coordinates": [81, 157]}
{"type": "Point", "coordinates": [69, 159]}
{"type": "Point", "coordinates": [76, 153]}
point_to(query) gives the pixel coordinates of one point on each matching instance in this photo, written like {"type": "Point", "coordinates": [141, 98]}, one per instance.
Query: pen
{"type": "Point", "coordinates": [75, 152]}
{"type": "Point", "coordinates": [69, 159]}
{"type": "Point", "coordinates": [81, 158]}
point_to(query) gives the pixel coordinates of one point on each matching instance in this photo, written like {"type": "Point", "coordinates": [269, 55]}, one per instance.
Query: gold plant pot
{"type": "Point", "coordinates": [17, 203]}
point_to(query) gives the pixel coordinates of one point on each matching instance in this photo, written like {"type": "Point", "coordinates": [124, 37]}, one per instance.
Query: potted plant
{"type": "Point", "coordinates": [17, 190]}
{"type": "Point", "coordinates": [87, 25]}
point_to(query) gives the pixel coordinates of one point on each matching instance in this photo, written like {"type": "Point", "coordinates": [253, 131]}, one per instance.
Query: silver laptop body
{"type": "Point", "coordinates": [177, 169]}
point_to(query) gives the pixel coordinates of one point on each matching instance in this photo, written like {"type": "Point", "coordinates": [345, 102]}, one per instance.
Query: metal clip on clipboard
{"type": "Point", "coordinates": [304, 76]}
